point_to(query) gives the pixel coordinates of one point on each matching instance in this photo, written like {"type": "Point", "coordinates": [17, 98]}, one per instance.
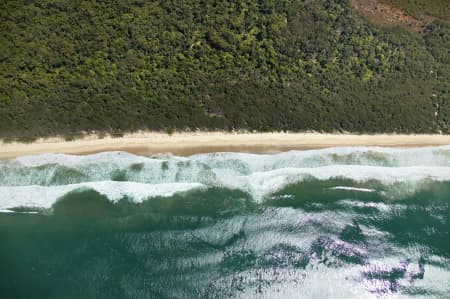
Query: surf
{"type": "Point", "coordinates": [40, 181]}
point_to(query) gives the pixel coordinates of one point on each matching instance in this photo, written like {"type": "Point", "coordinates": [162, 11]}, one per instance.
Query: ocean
{"type": "Point", "coordinates": [357, 222]}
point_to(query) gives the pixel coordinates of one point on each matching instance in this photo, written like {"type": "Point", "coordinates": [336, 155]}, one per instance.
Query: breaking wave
{"type": "Point", "coordinates": [39, 181]}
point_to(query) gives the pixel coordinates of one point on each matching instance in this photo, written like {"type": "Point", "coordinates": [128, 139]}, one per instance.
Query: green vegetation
{"type": "Point", "coordinates": [115, 66]}
{"type": "Point", "coordinates": [419, 8]}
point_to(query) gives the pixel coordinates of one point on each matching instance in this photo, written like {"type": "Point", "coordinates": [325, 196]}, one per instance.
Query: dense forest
{"type": "Point", "coordinates": [113, 66]}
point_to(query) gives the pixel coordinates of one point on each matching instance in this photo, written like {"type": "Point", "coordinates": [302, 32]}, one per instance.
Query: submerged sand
{"type": "Point", "coordinates": [149, 143]}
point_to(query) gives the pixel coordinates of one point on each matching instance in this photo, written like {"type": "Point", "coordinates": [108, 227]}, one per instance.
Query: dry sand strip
{"type": "Point", "coordinates": [148, 143]}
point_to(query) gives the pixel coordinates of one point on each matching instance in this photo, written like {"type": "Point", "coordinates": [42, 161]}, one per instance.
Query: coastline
{"type": "Point", "coordinates": [184, 144]}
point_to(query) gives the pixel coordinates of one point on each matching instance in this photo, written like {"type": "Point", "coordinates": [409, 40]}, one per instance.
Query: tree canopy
{"type": "Point", "coordinates": [113, 66]}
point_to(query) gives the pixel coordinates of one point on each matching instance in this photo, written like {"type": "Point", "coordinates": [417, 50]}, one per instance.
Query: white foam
{"type": "Point", "coordinates": [45, 197]}
{"type": "Point", "coordinates": [258, 175]}
{"type": "Point", "coordinates": [258, 184]}
{"type": "Point", "coordinates": [261, 183]}
{"type": "Point", "coordinates": [123, 158]}
{"type": "Point", "coordinates": [426, 156]}
{"type": "Point", "coordinates": [380, 206]}
{"type": "Point", "coordinates": [370, 156]}
{"type": "Point", "coordinates": [205, 168]}
{"type": "Point", "coordinates": [367, 190]}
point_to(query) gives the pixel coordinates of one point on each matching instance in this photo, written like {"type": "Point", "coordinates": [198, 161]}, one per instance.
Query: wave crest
{"type": "Point", "coordinates": [388, 173]}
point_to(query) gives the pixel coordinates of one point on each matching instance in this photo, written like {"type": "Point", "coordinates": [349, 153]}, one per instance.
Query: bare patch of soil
{"type": "Point", "coordinates": [386, 15]}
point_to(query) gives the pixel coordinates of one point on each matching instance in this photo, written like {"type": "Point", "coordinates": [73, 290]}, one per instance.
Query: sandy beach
{"type": "Point", "coordinates": [149, 143]}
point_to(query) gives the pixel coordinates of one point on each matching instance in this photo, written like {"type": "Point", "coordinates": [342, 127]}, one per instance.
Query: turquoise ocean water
{"type": "Point", "coordinates": [363, 222]}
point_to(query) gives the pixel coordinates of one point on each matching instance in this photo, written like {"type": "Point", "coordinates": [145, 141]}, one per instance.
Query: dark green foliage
{"type": "Point", "coordinates": [116, 66]}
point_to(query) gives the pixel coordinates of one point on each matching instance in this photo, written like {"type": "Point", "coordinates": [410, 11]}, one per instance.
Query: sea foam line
{"type": "Point", "coordinates": [258, 185]}
{"type": "Point", "coordinates": [263, 183]}
{"type": "Point", "coordinates": [426, 156]}
{"type": "Point", "coordinates": [45, 197]}
{"type": "Point", "coordinates": [353, 189]}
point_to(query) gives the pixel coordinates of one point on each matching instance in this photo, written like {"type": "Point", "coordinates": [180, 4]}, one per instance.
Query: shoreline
{"type": "Point", "coordinates": [187, 143]}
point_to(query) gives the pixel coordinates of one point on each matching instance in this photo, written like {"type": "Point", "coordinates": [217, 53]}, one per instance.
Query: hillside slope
{"type": "Point", "coordinates": [71, 66]}
{"type": "Point", "coordinates": [421, 9]}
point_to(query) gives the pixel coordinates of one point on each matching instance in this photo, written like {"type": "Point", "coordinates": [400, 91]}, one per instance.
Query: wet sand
{"type": "Point", "coordinates": [149, 143]}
